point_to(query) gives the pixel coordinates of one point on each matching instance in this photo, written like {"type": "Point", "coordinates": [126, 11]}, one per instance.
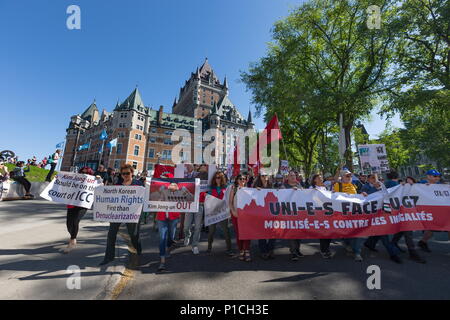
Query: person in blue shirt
{"type": "Point", "coordinates": [433, 177]}
{"type": "Point", "coordinates": [392, 179]}
{"type": "Point", "coordinates": [372, 186]}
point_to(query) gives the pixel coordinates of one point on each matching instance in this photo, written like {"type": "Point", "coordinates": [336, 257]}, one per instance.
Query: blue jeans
{"type": "Point", "coordinates": [167, 230]}
{"type": "Point", "coordinates": [266, 245]}
{"type": "Point", "coordinates": [355, 243]}
{"type": "Point", "coordinates": [391, 249]}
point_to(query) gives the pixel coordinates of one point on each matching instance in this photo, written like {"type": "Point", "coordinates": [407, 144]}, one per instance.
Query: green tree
{"type": "Point", "coordinates": [323, 61]}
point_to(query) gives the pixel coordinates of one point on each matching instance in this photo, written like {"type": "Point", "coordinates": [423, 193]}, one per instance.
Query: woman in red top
{"type": "Point", "coordinates": [243, 245]}
{"type": "Point", "coordinates": [74, 215]}
{"type": "Point", "coordinates": [218, 188]}
{"type": "Point", "coordinates": [167, 227]}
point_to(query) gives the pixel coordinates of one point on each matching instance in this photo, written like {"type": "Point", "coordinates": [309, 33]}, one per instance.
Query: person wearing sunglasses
{"type": "Point", "coordinates": [243, 245]}
{"type": "Point", "coordinates": [126, 171]}
{"type": "Point", "coordinates": [218, 188]}
{"type": "Point", "coordinates": [266, 246]}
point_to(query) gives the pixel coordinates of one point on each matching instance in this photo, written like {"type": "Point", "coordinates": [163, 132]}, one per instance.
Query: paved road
{"type": "Point", "coordinates": [218, 276]}
{"type": "Point", "coordinates": [31, 267]}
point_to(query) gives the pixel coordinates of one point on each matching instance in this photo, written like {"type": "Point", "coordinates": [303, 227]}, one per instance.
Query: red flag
{"type": "Point", "coordinates": [161, 169]}
{"type": "Point", "coordinates": [262, 143]}
{"type": "Point", "coordinates": [236, 165]}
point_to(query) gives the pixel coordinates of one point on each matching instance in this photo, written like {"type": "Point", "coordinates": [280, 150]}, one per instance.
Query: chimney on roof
{"type": "Point", "coordinates": [160, 114]}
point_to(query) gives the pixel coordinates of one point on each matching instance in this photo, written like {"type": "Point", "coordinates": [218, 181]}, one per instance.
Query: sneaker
{"type": "Point", "coordinates": [416, 258]}
{"type": "Point", "coordinates": [424, 246]}
{"type": "Point", "coordinates": [369, 247]}
{"type": "Point", "coordinates": [396, 259]}
{"type": "Point", "coordinates": [186, 242]}
{"type": "Point", "coordinates": [327, 255]}
{"type": "Point", "coordinates": [358, 258]}
{"type": "Point", "coordinates": [195, 250]}
{"type": "Point", "coordinates": [162, 267]}
{"type": "Point", "coordinates": [294, 257]}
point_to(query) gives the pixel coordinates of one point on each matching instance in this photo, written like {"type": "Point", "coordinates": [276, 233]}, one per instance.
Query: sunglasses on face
{"type": "Point", "coordinates": [125, 173]}
{"type": "Point", "coordinates": [242, 179]}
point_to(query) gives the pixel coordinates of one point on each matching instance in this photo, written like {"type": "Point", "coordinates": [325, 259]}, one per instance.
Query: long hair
{"type": "Point", "coordinates": [223, 181]}
{"type": "Point", "coordinates": [236, 181]}
{"type": "Point", "coordinates": [259, 184]}
{"type": "Point", "coordinates": [414, 180]}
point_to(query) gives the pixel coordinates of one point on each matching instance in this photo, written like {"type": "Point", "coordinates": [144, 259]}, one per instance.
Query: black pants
{"type": "Point", "coordinates": [408, 239]}
{"type": "Point", "coordinates": [133, 231]}
{"type": "Point", "coordinates": [24, 182]}
{"type": "Point", "coordinates": [74, 215]}
{"type": "Point", "coordinates": [52, 169]}
{"type": "Point", "coordinates": [325, 245]}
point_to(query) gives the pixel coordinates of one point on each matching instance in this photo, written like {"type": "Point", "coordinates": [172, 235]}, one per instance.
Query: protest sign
{"type": "Point", "coordinates": [74, 189]}
{"type": "Point", "coordinates": [204, 172]}
{"type": "Point", "coordinates": [321, 214]}
{"type": "Point", "coordinates": [118, 203]}
{"type": "Point", "coordinates": [284, 167]}
{"type": "Point", "coordinates": [216, 210]}
{"type": "Point", "coordinates": [173, 195]}
{"type": "Point", "coordinates": [373, 158]}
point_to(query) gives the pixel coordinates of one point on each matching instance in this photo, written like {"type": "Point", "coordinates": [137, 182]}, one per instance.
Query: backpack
{"type": "Point", "coordinates": [50, 159]}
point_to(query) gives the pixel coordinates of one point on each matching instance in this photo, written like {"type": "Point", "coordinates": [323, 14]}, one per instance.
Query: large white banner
{"type": "Point", "coordinates": [216, 210]}
{"type": "Point", "coordinates": [74, 189]}
{"type": "Point", "coordinates": [321, 214]}
{"type": "Point", "coordinates": [118, 203]}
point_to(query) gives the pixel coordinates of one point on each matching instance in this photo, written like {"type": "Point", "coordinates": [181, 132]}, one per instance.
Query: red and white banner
{"type": "Point", "coordinates": [321, 214]}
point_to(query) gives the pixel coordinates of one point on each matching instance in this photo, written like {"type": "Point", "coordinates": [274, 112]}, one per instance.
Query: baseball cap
{"type": "Point", "coordinates": [345, 172]}
{"type": "Point", "coordinates": [433, 172]}
{"type": "Point", "coordinates": [327, 175]}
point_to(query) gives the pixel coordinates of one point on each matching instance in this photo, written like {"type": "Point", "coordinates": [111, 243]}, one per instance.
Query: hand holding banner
{"type": "Point", "coordinates": [172, 195]}
{"type": "Point", "coordinates": [118, 203]}
{"type": "Point", "coordinates": [74, 189]}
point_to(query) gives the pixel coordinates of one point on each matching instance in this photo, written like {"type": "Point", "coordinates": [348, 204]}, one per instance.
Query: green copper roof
{"type": "Point", "coordinates": [133, 102]}
{"type": "Point", "coordinates": [88, 114]}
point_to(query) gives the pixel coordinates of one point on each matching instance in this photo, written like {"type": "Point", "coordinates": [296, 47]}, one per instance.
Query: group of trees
{"type": "Point", "coordinates": [326, 59]}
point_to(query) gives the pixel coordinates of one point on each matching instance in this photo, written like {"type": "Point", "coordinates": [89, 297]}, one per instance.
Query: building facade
{"type": "Point", "coordinates": [144, 134]}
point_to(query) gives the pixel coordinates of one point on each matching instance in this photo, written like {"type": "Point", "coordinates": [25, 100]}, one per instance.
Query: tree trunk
{"type": "Point", "coordinates": [348, 157]}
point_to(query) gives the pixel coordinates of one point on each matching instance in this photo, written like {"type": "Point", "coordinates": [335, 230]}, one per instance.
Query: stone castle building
{"type": "Point", "coordinates": [143, 133]}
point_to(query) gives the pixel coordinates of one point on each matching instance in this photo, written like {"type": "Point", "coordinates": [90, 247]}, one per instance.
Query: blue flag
{"type": "Point", "coordinates": [103, 135]}
{"type": "Point", "coordinates": [101, 149]}
{"type": "Point", "coordinates": [59, 145]}
{"type": "Point", "coordinates": [112, 143]}
{"type": "Point", "coordinates": [84, 146]}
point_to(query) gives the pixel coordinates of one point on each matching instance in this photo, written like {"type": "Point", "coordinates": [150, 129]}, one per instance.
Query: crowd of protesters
{"type": "Point", "coordinates": [169, 222]}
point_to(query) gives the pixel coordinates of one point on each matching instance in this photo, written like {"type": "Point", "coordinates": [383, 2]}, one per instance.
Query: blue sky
{"type": "Point", "coordinates": [49, 73]}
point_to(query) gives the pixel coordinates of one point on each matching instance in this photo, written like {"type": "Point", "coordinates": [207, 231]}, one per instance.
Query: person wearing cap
{"type": "Point", "coordinates": [433, 177]}
{"type": "Point", "coordinates": [329, 181]}
{"type": "Point", "coordinates": [345, 185]}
